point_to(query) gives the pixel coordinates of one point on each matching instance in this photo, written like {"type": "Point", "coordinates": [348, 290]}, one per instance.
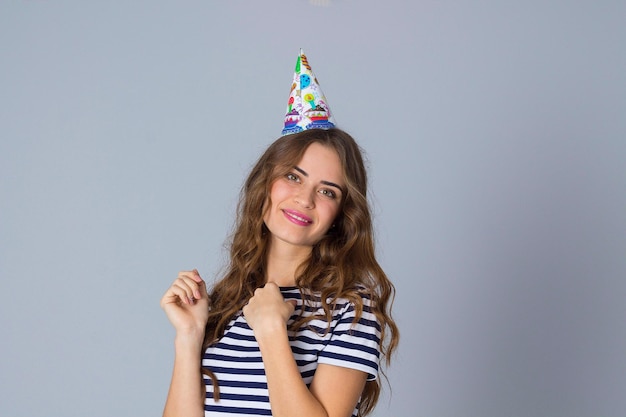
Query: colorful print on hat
{"type": "Point", "coordinates": [307, 107]}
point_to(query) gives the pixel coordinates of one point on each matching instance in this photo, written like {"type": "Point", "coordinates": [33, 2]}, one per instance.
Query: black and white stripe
{"type": "Point", "coordinates": [236, 359]}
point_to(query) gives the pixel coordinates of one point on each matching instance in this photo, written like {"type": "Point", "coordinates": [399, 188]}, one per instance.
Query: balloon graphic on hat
{"type": "Point", "coordinates": [307, 108]}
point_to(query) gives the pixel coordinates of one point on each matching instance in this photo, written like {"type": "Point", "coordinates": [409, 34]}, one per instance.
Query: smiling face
{"type": "Point", "coordinates": [306, 201]}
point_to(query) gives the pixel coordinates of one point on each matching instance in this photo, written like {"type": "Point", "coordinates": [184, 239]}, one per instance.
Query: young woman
{"type": "Point", "coordinates": [301, 319]}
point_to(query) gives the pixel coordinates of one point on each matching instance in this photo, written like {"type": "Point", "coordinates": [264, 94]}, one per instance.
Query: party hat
{"type": "Point", "coordinates": [307, 107]}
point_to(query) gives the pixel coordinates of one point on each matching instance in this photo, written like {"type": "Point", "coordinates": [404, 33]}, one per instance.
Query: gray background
{"type": "Point", "coordinates": [495, 134]}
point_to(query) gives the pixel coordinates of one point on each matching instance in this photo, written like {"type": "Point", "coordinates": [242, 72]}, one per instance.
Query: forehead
{"type": "Point", "coordinates": [322, 161]}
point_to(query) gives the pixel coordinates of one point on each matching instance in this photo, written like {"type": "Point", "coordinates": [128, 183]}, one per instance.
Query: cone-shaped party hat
{"type": "Point", "coordinates": [307, 107]}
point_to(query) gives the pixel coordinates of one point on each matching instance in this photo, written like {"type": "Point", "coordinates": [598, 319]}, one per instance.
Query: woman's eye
{"type": "Point", "coordinates": [292, 177]}
{"type": "Point", "coordinates": [328, 193]}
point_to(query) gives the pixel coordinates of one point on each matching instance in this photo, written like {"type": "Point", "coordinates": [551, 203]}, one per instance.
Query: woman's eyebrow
{"type": "Point", "coordinates": [301, 171]}
{"type": "Point", "coordinates": [330, 184]}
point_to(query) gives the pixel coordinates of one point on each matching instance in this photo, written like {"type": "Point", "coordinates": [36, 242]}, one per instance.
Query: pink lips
{"type": "Point", "coordinates": [297, 218]}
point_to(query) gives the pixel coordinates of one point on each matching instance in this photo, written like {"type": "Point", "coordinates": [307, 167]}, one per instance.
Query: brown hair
{"type": "Point", "coordinates": [342, 264]}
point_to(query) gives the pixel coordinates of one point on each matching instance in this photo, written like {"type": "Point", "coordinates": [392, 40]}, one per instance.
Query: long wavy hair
{"type": "Point", "coordinates": [342, 264]}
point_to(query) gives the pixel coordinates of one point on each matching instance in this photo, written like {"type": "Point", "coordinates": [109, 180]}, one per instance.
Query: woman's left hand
{"type": "Point", "coordinates": [267, 310]}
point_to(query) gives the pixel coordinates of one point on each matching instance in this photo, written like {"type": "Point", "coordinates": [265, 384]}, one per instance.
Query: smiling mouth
{"type": "Point", "coordinates": [297, 217]}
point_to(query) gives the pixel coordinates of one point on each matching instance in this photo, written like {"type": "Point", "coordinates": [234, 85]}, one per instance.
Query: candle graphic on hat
{"type": "Point", "coordinates": [310, 98]}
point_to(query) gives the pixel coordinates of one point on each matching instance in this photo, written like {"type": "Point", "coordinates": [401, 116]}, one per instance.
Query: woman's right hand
{"type": "Point", "coordinates": [186, 304]}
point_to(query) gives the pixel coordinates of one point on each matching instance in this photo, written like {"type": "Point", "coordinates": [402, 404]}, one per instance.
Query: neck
{"type": "Point", "coordinates": [283, 261]}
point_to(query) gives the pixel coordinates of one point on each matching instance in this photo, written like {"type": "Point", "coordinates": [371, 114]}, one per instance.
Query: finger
{"type": "Point", "coordinates": [184, 288]}
{"type": "Point", "coordinates": [174, 295]}
{"type": "Point", "coordinates": [270, 289]}
{"type": "Point", "coordinates": [193, 285]}
{"type": "Point", "coordinates": [197, 274]}
{"type": "Point", "coordinates": [194, 275]}
{"type": "Point", "coordinates": [201, 284]}
{"type": "Point", "coordinates": [291, 305]}
{"type": "Point", "coordinates": [271, 285]}
{"type": "Point", "coordinates": [203, 289]}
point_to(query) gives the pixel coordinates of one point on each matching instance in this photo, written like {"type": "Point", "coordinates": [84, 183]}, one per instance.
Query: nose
{"type": "Point", "coordinates": [305, 198]}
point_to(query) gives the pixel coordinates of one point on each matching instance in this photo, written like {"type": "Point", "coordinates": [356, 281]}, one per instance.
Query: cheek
{"type": "Point", "coordinates": [270, 200]}
{"type": "Point", "coordinates": [331, 211]}
{"type": "Point", "coordinates": [279, 191]}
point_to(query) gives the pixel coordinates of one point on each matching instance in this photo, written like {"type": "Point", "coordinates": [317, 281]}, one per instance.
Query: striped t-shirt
{"type": "Point", "coordinates": [236, 359]}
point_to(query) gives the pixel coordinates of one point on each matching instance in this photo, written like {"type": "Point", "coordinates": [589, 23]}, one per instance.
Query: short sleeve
{"type": "Point", "coordinates": [354, 345]}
